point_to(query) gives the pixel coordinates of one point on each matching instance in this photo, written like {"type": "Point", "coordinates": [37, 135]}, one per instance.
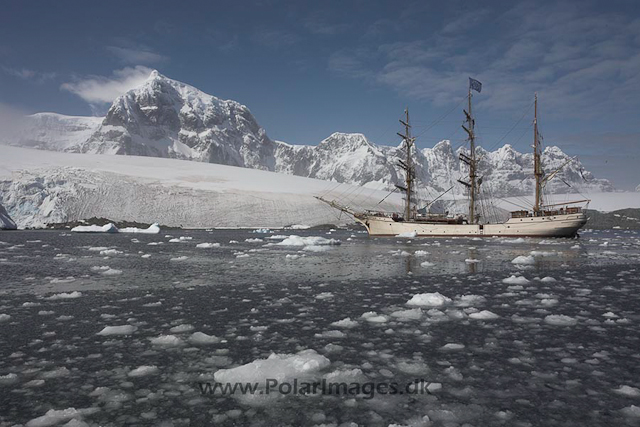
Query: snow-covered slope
{"type": "Point", "coordinates": [40, 187]}
{"type": "Point", "coordinates": [51, 131]}
{"type": "Point", "coordinates": [167, 118]}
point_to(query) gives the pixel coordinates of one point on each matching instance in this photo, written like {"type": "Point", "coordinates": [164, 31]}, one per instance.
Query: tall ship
{"type": "Point", "coordinates": [543, 220]}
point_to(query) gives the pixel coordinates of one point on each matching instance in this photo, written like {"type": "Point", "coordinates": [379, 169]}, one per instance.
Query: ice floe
{"type": "Point", "coordinates": [280, 367]}
{"type": "Point", "coordinates": [560, 320]}
{"type": "Point", "coordinates": [435, 299]}
{"type": "Point", "coordinates": [118, 330]}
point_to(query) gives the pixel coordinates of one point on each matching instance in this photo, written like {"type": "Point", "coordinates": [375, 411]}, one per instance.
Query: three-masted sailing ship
{"type": "Point", "coordinates": [544, 220]}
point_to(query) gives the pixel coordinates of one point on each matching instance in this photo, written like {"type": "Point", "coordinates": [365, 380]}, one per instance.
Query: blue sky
{"type": "Point", "coordinates": [307, 69]}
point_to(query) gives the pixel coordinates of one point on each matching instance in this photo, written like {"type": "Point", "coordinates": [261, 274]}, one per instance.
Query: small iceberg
{"type": "Point", "coordinates": [110, 228]}
{"type": "Point", "coordinates": [107, 228]}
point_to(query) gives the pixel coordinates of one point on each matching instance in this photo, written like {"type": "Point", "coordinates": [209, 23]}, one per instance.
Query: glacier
{"type": "Point", "coordinates": [166, 118]}
{"type": "Point", "coordinates": [41, 187]}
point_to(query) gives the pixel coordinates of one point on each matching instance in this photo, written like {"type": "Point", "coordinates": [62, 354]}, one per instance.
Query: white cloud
{"type": "Point", "coordinates": [98, 89]}
{"type": "Point", "coordinates": [136, 55]}
{"type": "Point", "coordinates": [27, 74]}
{"type": "Point", "coordinates": [584, 64]}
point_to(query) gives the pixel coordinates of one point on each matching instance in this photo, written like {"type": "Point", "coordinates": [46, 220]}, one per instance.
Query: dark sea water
{"type": "Point", "coordinates": [553, 339]}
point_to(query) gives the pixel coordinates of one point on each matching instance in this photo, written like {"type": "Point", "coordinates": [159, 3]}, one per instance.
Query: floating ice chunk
{"type": "Point", "coordinates": [452, 347]}
{"type": "Point", "coordinates": [421, 253]}
{"type": "Point", "coordinates": [515, 280]}
{"type": "Point", "coordinates": [331, 334]}
{"type": "Point", "coordinates": [63, 295]}
{"type": "Point", "coordinates": [110, 252]}
{"type": "Point", "coordinates": [180, 258]}
{"type": "Point", "coordinates": [429, 300]}
{"type": "Point", "coordinates": [483, 315]}
{"type": "Point", "coordinates": [277, 366]}
{"type": "Point", "coordinates": [207, 245]}
{"type": "Point", "coordinates": [548, 279]}
{"type": "Point", "coordinates": [167, 341]}
{"type": "Point", "coordinates": [524, 260]}
{"type": "Point", "coordinates": [181, 329]}
{"type": "Point", "coordinates": [518, 240]}
{"type": "Point", "coordinates": [253, 240]}
{"type": "Point", "coordinates": [54, 416]}
{"type": "Point", "coordinates": [471, 261]}
{"type": "Point", "coordinates": [292, 256]}
{"type": "Point", "coordinates": [262, 230]}
{"type": "Point", "coordinates": [324, 295]}
{"type": "Point", "coordinates": [118, 330]}
{"type": "Point", "coordinates": [276, 237]}
{"type": "Point", "coordinates": [410, 314]}
{"type": "Point", "coordinates": [143, 371]}
{"type": "Point", "coordinates": [408, 234]}
{"type": "Point", "coordinates": [373, 317]}
{"type": "Point", "coordinates": [294, 240]}
{"type": "Point", "coordinates": [9, 378]}
{"type": "Point", "coordinates": [469, 300]}
{"type": "Point", "coordinates": [152, 229]}
{"type": "Point", "coordinates": [627, 391]}
{"type": "Point", "coordinates": [181, 239]}
{"type": "Point", "coordinates": [632, 411]}
{"type": "Point", "coordinates": [98, 248]}
{"type": "Point", "coordinates": [111, 272]}
{"type": "Point", "coordinates": [4, 317]}
{"type": "Point", "coordinates": [202, 338]}
{"type": "Point", "coordinates": [345, 323]}
{"type": "Point", "coordinates": [107, 228]}
{"type": "Point", "coordinates": [426, 264]}
{"type": "Point", "coordinates": [560, 320]}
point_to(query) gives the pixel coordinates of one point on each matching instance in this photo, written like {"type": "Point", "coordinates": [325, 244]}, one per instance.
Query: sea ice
{"type": "Point", "coordinates": [410, 314]}
{"type": "Point", "coordinates": [524, 260]}
{"type": "Point", "coordinates": [152, 229]}
{"type": "Point", "coordinates": [560, 320]}
{"type": "Point", "coordinates": [181, 329]}
{"type": "Point", "coordinates": [118, 330]}
{"type": "Point", "coordinates": [167, 341]}
{"type": "Point", "coordinates": [408, 235]}
{"type": "Point", "coordinates": [107, 228]}
{"type": "Point", "coordinates": [202, 338]}
{"type": "Point", "coordinates": [515, 280]}
{"type": "Point", "coordinates": [373, 317]}
{"type": "Point", "coordinates": [294, 240]}
{"type": "Point", "coordinates": [626, 390]}
{"type": "Point", "coordinates": [345, 323]}
{"type": "Point", "coordinates": [280, 367]}
{"type": "Point", "coordinates": [63, 295]}
{"type": "Point", "coordinates": [208, 245]}
{"type": "Point", "coordinates": [429, 300]}
{"type": "Point", "coordinates": [483, 315]}
{"type": "Point", "coordinates": [143, 371]}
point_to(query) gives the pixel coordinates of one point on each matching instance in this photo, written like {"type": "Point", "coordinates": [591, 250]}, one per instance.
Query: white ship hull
{"type": "Point", "coordinates": [541, 226]}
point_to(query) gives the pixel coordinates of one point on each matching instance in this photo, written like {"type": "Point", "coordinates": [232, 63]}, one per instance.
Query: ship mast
{"type": "Point", "coordinates": [471, 160]}
{"type": "Point", "coordinates": [537, 166]}
{"type": "Point", "coordinates": [407, 165]}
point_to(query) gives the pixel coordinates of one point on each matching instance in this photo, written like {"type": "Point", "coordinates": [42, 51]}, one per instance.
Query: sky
{"type": "Point", "coordinates": [308, 69]}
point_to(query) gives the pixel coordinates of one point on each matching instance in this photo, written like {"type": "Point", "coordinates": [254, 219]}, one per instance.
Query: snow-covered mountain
{"type": "Point", "coordinates": [166, 118]}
